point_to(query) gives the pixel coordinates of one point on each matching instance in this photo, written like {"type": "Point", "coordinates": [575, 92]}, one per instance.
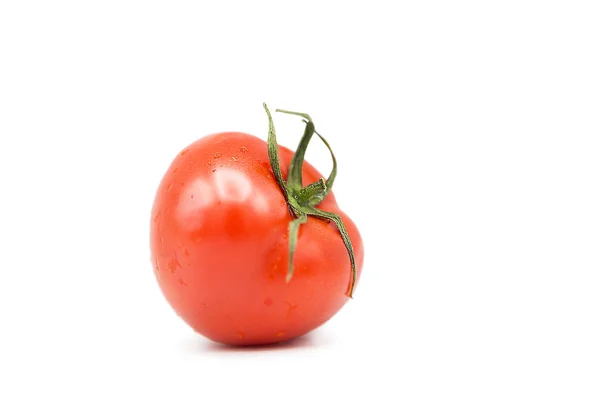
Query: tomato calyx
{"type": "Point", "coordinates": [302, 201]}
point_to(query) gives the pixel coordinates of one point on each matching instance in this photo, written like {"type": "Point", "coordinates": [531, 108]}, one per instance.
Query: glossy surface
{"type": "Point", "coordinates": [219, 246]}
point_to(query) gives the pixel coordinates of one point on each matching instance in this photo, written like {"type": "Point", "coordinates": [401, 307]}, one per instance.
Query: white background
{"type": "Point", "coordinates": [468, 139]}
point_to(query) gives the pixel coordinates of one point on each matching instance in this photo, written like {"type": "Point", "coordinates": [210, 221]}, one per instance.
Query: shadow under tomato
{"type": "Point", "coordinates": [310, 340]}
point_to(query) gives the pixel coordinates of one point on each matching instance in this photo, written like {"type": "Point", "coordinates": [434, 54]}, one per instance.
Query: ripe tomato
{"type": "Point", "coordinates": [220, 238]}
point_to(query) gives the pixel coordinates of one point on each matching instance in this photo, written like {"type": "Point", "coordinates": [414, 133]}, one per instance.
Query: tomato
{"type": "Point", "coordinates": [220, 244]}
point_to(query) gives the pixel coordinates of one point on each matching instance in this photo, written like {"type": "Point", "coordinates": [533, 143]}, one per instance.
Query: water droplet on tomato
{"type": "Point", "coordinates": [182, 282]}
{"type": "Point", "coordinates": [291, 307]}
{"type": "Point", "coordinates": [234, 159]}
{"type": "Point", "coordinates": [217, 154]}
{"type": "Point", "coordinates": [173, 265]}
{"type": "Point", "coordinates": [244, 149]}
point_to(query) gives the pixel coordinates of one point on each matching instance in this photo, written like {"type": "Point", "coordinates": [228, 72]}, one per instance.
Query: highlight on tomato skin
{"type": "Point", "coordinates": [248, 244]}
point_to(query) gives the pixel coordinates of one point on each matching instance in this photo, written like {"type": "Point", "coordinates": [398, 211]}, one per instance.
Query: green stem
{"type": "Point", "coordinates": [302, 201]}
{"type": "Point", "coordinates": [313, 194]}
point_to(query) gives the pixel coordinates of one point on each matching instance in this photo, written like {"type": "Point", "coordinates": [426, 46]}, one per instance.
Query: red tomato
{"type": "Point", "coordinates": [219, 242]}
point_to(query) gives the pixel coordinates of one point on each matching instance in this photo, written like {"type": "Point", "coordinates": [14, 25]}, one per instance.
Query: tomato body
{"type": "Point", "coordinates": [219, 243]}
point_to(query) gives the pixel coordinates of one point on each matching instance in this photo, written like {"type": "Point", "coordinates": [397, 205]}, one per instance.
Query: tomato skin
{"type": "Point", "coordinates": [219, 244]}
